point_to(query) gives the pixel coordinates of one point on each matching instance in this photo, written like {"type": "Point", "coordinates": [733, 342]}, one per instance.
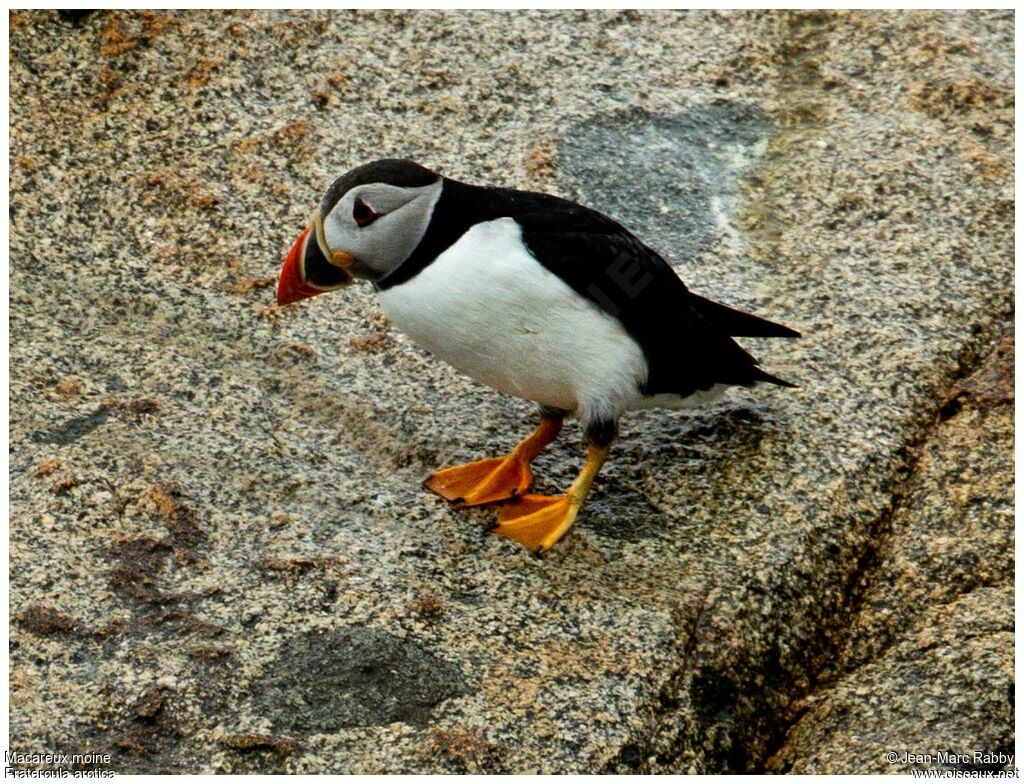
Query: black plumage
{"type": "Point", "coordinates": [686, 338]}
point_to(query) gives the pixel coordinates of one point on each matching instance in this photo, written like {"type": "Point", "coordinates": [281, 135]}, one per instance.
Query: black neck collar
{"type": "Point", "coordinates": [458, 208]}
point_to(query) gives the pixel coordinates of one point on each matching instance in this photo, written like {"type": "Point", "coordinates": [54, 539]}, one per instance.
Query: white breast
{"type": "Point", "coordinates": [490, 309]}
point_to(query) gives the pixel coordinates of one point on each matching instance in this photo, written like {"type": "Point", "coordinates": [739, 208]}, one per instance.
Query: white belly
{"type": "Point", "coordinates": [488, 308]}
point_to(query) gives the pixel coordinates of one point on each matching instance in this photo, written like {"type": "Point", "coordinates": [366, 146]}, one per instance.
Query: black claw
{"type": "Point", "coordinates": [538, 553]}
{"type": "Point", "coordinates": [492, 526]}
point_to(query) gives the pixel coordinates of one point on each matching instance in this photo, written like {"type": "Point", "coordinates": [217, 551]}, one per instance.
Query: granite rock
{"type": "Point", "coordinates": [927, 669]}
{"type": "Point", "coordinates": [203, 483]}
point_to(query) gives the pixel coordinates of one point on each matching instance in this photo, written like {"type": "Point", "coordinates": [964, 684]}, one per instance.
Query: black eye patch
{"type": "Point", "coordinates": [363, 214]}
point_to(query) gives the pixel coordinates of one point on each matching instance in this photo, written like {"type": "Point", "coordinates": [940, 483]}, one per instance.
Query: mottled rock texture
{"type": "Point", "coordinates": [928, 663]}
{"type": "Point", "coordinates": [210, 494]}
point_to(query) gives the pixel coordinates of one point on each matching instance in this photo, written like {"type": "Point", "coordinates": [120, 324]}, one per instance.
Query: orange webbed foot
{"type": "Point", "coordinates": [495, 478]}
{"type": "Point", "coordinates": [537, 521]}
{"type": "Point", "coordinates": [482, 481]}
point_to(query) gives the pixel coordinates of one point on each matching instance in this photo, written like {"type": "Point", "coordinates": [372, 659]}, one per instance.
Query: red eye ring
{"type": "Point", "coordinates": [362, 214]}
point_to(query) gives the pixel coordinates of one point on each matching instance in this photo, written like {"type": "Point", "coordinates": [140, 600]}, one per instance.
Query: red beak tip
{"type": "Point", "coordinates": [290, 286]}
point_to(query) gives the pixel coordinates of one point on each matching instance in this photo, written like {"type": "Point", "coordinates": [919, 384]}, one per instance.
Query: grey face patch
{"type": "Point", "coordinates": [379, 247]}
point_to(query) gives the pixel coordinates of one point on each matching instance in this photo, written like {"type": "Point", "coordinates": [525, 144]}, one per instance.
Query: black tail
{"type": "Point", "coordinates": [768, 378]}
{"type": "Point", "coordinates": [736, 323]}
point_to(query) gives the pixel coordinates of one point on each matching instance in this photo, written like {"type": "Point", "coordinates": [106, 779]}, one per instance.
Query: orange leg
{"type": "Point", "coordinates": [538, 521]}
{"type": "Point", "coordinates": [496, 478]}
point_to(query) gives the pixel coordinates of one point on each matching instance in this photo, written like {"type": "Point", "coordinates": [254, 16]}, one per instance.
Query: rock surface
{"type": "Point", "coordinates": [210, 495]}
{"type": "Point", "coordinates": [927, 667]}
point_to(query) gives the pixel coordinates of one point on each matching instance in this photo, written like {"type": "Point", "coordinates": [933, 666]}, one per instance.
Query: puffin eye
{"type": "Point", "coordinates": [362, 214]}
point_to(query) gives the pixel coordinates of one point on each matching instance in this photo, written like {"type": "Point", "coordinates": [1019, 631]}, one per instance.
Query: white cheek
{"type": "Point", "coordinates": [383, 245]}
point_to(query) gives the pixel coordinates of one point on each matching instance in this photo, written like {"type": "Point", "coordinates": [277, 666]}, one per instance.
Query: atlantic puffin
{"type": "Point", "coordinates": [535, 296]}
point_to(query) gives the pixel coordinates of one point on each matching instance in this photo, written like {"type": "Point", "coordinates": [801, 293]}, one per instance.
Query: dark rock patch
{"type": "Point", "coordinates": [73, 429]}
{"type": "Point", "coordinates": [686, 161]}
{"type": "Point", "coordinates": [45, 620]}
{"type": "Point", "coordinates": [990, 386]}
{"type": "Point", "coordinates": [353, 677]}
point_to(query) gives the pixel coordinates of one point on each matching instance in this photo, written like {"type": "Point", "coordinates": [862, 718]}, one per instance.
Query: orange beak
{"type": "Point", "coordinates": [290, 286]}
{"type": "Point", "coordinates": [308, 271]}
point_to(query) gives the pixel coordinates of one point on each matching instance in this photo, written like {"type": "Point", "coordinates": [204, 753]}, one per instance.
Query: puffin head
{"type": "Point", "coordinates": [369, 221]}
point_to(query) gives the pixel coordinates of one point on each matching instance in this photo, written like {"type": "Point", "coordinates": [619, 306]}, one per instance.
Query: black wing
{"type": "Point", "coordinates": [685, 337]}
